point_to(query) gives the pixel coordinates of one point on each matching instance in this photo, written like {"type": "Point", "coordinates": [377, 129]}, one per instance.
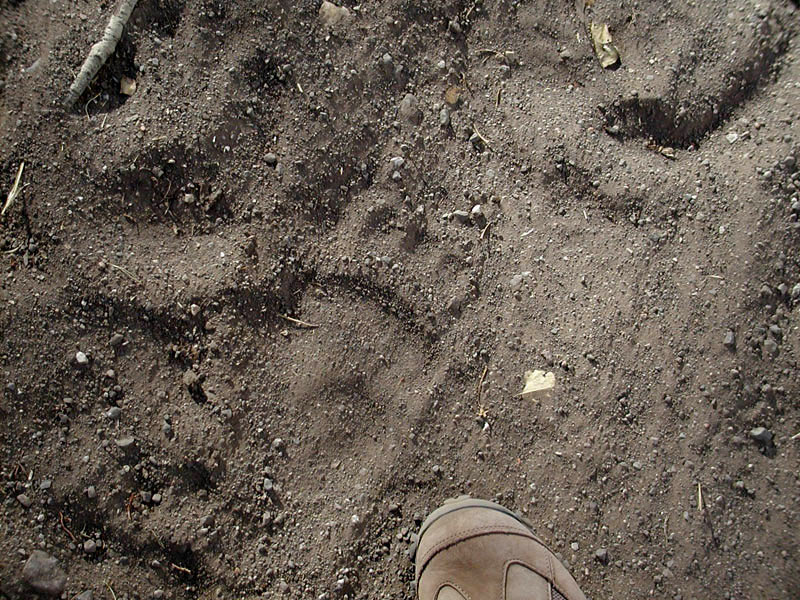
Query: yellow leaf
{"type": "Point", "coordinates": [127, 86]}
{"type": "Point", "coordinates": [604, 47]}
{"type": "Point", "coordinates": [538, 384]}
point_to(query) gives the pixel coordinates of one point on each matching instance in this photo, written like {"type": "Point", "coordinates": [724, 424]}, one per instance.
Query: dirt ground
{"type": "Point", "coordinates": [254, 327]}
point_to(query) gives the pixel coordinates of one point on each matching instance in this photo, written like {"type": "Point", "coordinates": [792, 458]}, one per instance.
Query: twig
{"type": "Point", "coordinates": [110, 589]}
{"type": "Point", "coordinates": [298, 322]}
{"type": "Point", "coordinates": [12, 195]}
{"type": "Point", "coordinates": [65, 528]}
{"type": "Point", "coordinates": [480, 383]}
{"type": "Point", "coordinates": [700, 506]}
{"type": "Point", "coordinates": [796, 436]}
{"type": "Point", "coordinates": [483, 139]}
{"type": "Point", "coordinates": [100, 52]}
{"type": "Point", "coordinates": [497, 102]}
{"type": "Point", "coordinates": [179, 568]}
{"type": "Point", "coordinates": [485, 229]}
{"type": "Point", "coordinates": [13, 250]}
{"type": "Point", "coordinates": [124, 270]}
{"type": "Point", "coordinates": [666, 520]}
{"type": "Point", "coordinates": [129, 504]}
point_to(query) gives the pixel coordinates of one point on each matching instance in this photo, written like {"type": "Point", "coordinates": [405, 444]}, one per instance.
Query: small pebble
{"type": "Point", "coordinates": [761, 434]}
{"type": "Point", "coordinates": [730, 340]}
{"type": "Point", "coordinates": [24, 500]}
{"type": "Point", "coordinates": [126, 443]}
{"type": "Point", "coordinates": [81, 359]}
{"type": "Point", "coordinates": [461, 216]}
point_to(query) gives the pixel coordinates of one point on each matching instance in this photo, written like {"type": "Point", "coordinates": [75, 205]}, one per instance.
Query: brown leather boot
{"type": "Point", "coordinates": [478, 550]}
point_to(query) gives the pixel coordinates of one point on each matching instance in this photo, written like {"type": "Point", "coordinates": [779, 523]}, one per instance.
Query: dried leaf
{"type": "Point", "coordinates": [127, 86]}
{"type": "Point", "coordinates": [589, 3]}
{"type": "Point", "coordinates": [538, 384]}
{"type": "Point", "coordinates": [667, 151]}
{"type": "Point", "coordinates": [604, 47]}
{"type": "Point", "coordinates": [453, 95]}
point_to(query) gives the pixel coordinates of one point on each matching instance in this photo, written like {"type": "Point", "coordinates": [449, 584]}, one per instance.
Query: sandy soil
{"type": "Point", "coordinates": [253, 327]}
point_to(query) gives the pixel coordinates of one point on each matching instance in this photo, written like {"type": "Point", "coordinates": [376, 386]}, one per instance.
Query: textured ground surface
{"type": "Point", "coordinates": [629, 220]}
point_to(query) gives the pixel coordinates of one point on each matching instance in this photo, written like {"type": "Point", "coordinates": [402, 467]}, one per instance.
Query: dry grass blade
{"type": "Point", "coordinates": [12, 195]}
{"type": "Point", "coordinates": [481, 138]}
{"type": "Point", "coordinates": [298, 322]}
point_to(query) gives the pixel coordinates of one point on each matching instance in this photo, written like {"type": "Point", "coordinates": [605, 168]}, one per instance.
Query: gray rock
{"type": "Point", "coordinates": [397, 162]}
{"type": "Point", "coordinates": [409, 110]}
{"type": "Point", "coordinates": [158, 594]}
{"type": "Point", "coordinates": [81, 359]}
{"type": "Point", "coordinates": [87, 595]}
{"type": "Point", "coordinates": [444, 117]}
{"type": "Point", "coordinates": [147, 497]}
{"type": "Point", "coordinates": [278, 445]}
{"type": "Point", "coordinates": [194, 309]}
{"type": "Point", "coordinates": [25, 500]}
{"type": "Point", "coordinates": [114, 412]}
{"type": "Point", "coordinates": [42, 573]}
{"type": "Point", "coordinates": [331, 15]}
{"type": "Point", "coordinates": [761, 434]}
{"type": "Point", "coordinates": [91, 493]}
{"type": "Point", "coordinates": [116, 340]}
{"type": "Point", "coordinates": [454, 306]}
{"type": "Point", "coordinates": [461, 216]}
{"type": "Point", "coordinates": [271, 159]}
{"type": "Point", "coordinates": [156, 498]}
{"type": "Point", "coordinates": [771, 346]}
{"type": "Point", "coordinates": [601, 555]}
{"type": "Point", "coordinates": [46, 484]}
{"type": "Point", "coordinates": [387, 64]}
{"type": "Point", "coordinates": [126, 443]}
{"type": "Point", "coordinates": [796, 291]}
{"type": "Point", "coordinates": [730, 340]}
{"type": "Point", "coordinates": [191, 379]}
{"type": "Point", "coordinates": [207, 521]}
{"type": "Point", "coordinates": [90, 546]}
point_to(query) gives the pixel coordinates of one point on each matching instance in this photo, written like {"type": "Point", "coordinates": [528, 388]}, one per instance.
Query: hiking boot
{"type": "Point", "coordinates": [478, 550]}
